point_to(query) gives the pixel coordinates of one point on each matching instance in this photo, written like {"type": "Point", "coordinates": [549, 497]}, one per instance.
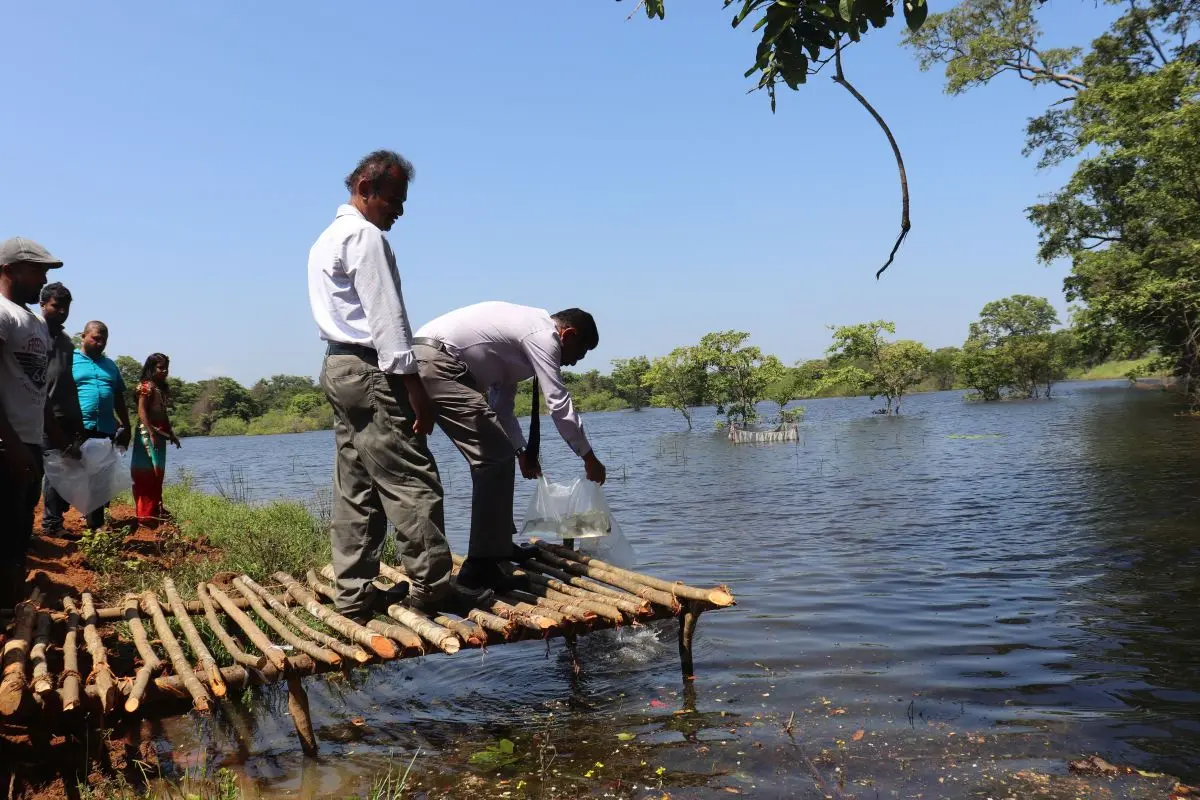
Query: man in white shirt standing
{"type": "Point", "coordinates": [471, 361]}
{"type": "Point", "coordinates": [384, 470]}
{"type": "Point", "coordinates": [24, 356]}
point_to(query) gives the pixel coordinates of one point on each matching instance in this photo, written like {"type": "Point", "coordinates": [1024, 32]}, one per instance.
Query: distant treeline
{"type": "Point", "coordinates": [1012, 351]}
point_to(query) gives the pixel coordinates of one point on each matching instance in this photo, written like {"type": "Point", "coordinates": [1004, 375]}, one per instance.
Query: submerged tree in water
{"type": "Point", "coordinates": [738, 375]}
{"type": "Point", "coordinates": [677, 381]}
{"type": "Point", "coordinates": [862, 359]}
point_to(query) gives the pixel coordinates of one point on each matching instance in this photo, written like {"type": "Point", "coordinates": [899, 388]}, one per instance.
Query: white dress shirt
{"type": "Point", "coordinates": [503, 344]}
{"type": "Point", "coordinates": [354, 290]}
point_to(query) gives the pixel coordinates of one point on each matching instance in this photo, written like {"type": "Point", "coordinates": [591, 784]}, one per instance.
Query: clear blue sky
{"type": "Point", "coordinates": [182, 157]}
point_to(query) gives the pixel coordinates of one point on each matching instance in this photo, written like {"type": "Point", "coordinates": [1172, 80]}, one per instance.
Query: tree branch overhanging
{"type": "Point", "coordinates": [905, 221]}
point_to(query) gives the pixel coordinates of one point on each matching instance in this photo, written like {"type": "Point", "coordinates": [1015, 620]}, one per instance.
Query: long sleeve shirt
{"type": "Point", "coordinates": [502, 344]}
{"type": "Point", "coordinates": [354, 290]}
{"type": "Point", "coordinates": [61, 393]}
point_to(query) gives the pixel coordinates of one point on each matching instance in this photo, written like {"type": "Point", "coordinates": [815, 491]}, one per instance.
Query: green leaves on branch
{"type": "Point", "coordinates": [798, 36]}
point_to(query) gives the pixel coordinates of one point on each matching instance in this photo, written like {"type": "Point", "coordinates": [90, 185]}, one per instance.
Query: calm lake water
{"type": "Point", "coordinates": [977, 588]}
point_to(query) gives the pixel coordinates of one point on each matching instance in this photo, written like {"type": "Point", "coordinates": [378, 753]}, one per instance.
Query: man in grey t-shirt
{"type": "Point", "coordinates": [24, 352]}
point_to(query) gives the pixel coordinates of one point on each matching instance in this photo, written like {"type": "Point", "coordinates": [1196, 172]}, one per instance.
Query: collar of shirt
{"type": "Point", "coordinates": [348, 210]}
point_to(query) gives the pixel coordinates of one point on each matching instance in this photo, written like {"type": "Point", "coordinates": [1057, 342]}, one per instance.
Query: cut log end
{"type": "Point", "coordinates": [11, 695]}
{"type": "Point", "coordinates": [383, 647]}
{"type": "Point", "coordinates": [721, 597]}
{"type": "Point", "coordinates": [131, 705]}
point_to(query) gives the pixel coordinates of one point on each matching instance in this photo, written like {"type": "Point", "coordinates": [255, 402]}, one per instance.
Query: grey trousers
{"type": "Point", "coordinates": [465, 416]}
{"type": "Point", "coordinates": [383, 472]}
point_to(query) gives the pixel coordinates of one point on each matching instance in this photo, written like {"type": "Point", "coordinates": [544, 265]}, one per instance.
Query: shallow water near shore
{"type": "Point", "coordinates": [936, 604]}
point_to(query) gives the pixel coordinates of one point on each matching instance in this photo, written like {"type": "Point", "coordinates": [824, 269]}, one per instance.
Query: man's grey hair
{"type": "Point", "coordinates": [376, 166]}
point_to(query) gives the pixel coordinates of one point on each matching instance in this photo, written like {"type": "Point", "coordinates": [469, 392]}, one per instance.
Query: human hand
{"type": "Point", "coordinates": [175, 441]}
{"type": "Point", "coordinates": [421, 404]}
{"type": "Point", "coordinates": [73, 450]}
{"type": "Point", "coordinates": [594, 469]}
{"type": "Point", "coordinates": [530, 468]}
{"type": "Point", "coordinates": [123, 437]}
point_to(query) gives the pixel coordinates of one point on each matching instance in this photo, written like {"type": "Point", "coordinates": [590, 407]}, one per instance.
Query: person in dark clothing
{"type": "Point", "coordinates": [62, 400]}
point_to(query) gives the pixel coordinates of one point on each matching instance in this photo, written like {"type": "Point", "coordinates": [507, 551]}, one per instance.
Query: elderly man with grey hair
{"type": "Point", "coordinates": [383, 469]}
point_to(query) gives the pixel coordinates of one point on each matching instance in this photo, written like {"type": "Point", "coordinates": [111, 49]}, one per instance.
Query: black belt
{"type": "Point", "coordinates": [436, 344]}
{"type": "Point", "coordinates": [368, 354]}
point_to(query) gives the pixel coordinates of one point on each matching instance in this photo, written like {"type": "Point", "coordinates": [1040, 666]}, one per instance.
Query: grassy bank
{"type": "Point", "coordinates": [212, 534]}
{"type": "Point", "coordinates": [1114, 370]}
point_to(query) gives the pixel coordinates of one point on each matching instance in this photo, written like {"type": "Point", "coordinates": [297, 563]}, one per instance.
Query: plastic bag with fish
{"type": "Point", "coordinates": [578, 511]}
{"type": "Point", "coordinates": [92, 480]}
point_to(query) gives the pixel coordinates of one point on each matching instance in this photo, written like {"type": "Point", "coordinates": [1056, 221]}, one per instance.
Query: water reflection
{"type": "Point", "coordinates": [1012, 570]}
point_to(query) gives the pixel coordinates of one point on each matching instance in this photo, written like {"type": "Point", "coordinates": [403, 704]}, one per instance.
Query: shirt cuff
{"type": "Point", "coordinates": [401, 363]}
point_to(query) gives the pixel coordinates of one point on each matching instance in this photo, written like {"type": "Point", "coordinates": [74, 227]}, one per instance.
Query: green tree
{"type": "Point", "coordinates": [943, 368]}
{"type": "Point", "coordinates": [1012, 344]}
{"type": "Point", "coordinates": [677, 381]}
{"type": "Point", "coordinates": [785, 389]}
{"type": "Point", "coordinates": [738, 374]}
{"type": "Point", "coordinates": [1128, 119]}
{"type": "Point", "coordinates": [306, 402]}
{"type": "Point", "coordinates": [627, 378]}
{"type": "Point", "coordinates": [862, 358]}
{"type": "Point", "coordinates": [131, 373]}
{"type": "Point", "coordinates": [219, 398]}
{"type": "Point", "coordinates": [984, 369]}
{"type": "Point", "coordinates": [277, 391]}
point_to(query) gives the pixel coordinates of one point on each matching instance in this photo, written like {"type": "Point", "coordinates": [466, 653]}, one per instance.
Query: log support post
{"type": "Point", "coordinates": [301, 717]}
{"type": "Point", "coordinates": [687, 630]}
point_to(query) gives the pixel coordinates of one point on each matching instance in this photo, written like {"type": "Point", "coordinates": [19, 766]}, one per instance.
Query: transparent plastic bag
{"type": "Point", "coordinates": [94, 479]}
{"type": "Point", "coordinates": [578, 511]}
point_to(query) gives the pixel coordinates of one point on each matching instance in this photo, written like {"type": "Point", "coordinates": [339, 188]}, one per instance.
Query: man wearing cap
{"type": "Point", "coordinates": [25, 347]}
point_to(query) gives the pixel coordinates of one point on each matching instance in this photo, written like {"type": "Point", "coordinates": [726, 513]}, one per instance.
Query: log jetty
{"type": "Point", "coordinates": [58, 664]}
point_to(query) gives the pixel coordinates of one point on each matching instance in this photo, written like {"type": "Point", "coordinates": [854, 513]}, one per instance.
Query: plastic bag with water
{"type": "Point", "coordinates": [578, 511]}
{"type": "Point", "coordinates": [94, 479]}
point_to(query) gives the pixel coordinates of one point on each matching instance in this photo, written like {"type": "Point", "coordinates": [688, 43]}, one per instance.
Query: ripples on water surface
{"type": "Point", "coordinates": [1021, 575]}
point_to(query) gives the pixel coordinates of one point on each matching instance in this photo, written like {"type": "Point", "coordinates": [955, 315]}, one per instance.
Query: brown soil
{"type": "Point", "coordinates": [37, 766]}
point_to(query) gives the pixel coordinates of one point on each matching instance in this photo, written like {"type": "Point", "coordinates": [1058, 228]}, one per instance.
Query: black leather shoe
{"type": "Point", "coordinates": [458, 601]}
{"type": "Point", "coordinates": [485, 573]}
{"type": "Point", "coordinates": [389, 597]}
{"type": "Point", "coordinates": [523, 551]}
{"type": "Point", "coordinates": [381, 600]}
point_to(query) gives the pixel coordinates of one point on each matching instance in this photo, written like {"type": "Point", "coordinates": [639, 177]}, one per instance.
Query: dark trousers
{"type": "Point", "coordinates": [465, 417]}
{"type": "Point", "coordinates": [18, 498]}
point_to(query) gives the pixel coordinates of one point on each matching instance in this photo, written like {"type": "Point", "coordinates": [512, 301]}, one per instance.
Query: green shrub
{"type": "Point", "coordinates": [228, 426]}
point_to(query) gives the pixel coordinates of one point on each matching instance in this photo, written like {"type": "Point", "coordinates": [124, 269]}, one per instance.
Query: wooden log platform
{"type": "Point", "coordinates": [257, 626]}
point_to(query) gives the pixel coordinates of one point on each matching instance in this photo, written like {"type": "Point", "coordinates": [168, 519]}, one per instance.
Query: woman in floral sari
{"type": "Point", "coordinates": [149, 462]}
